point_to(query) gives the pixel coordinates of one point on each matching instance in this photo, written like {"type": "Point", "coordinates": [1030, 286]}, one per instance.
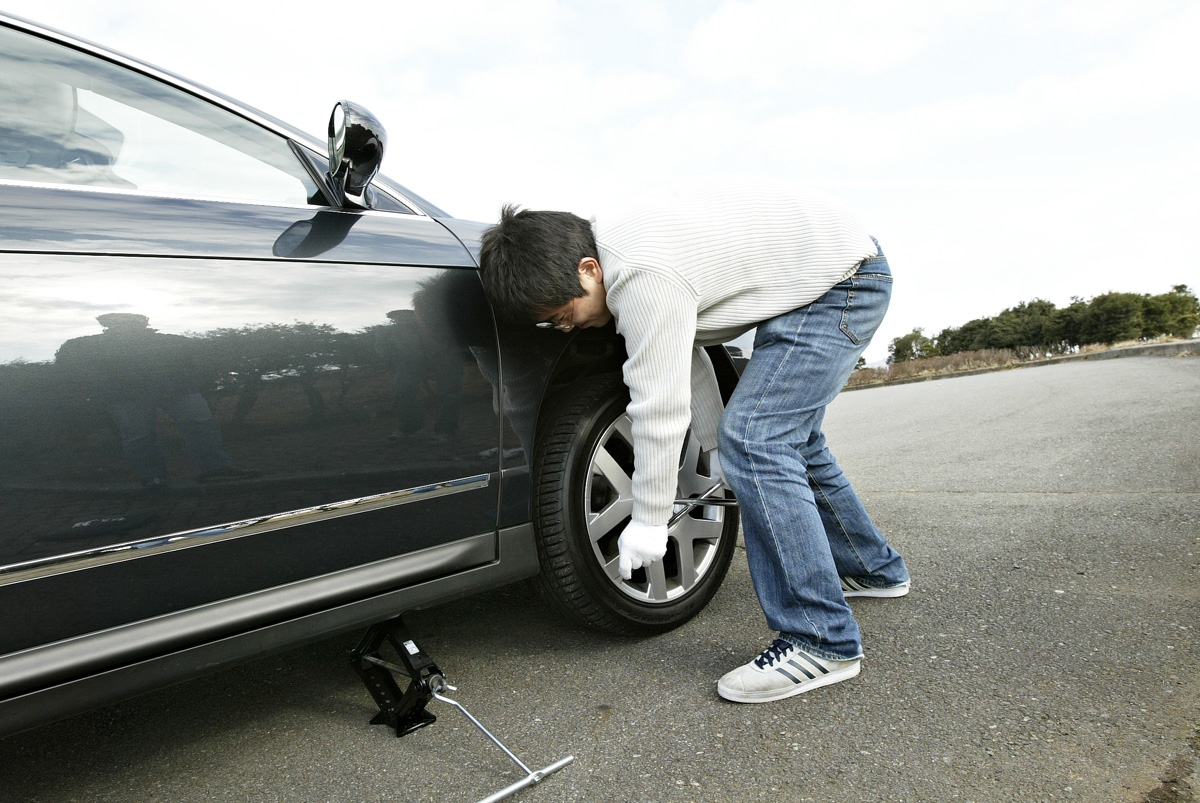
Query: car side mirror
{"type": "Point", "coordinates": [356, 143]}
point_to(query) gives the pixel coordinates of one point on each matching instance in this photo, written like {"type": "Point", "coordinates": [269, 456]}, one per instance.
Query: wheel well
{"type": "Point", "coordinates": [590, 352]}
{"type": "Point", "coordinates": [602, 351]}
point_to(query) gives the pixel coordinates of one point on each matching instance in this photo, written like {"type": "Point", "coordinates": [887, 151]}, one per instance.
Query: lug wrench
{"type": "Point", "coordinates": [703, 500]}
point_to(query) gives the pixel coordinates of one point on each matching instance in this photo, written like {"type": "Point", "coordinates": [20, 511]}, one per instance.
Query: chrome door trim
{"type": "Point", "coordinates": [74, 688]}
{"type": "Point", "coordinates": [74, 561]}
{"type": "Point", "coordinates": [49, 664]}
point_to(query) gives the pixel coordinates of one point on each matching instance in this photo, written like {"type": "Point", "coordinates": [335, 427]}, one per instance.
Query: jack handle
{"type": "Point", "coordinates": [436, 685]}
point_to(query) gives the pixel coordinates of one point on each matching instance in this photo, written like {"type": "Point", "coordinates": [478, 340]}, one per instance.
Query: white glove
{"type": "Point", "coordinates": [641, 545]}
{"type": "Point", "coordinates": [714, 466]}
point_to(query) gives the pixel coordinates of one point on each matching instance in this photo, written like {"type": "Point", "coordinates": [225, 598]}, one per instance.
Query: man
{"type": "Point", "coordinates": [701, 264]}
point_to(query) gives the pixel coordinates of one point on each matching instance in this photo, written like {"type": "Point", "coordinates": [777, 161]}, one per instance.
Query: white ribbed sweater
{"type": "Point", "coordinates": [699, 264]}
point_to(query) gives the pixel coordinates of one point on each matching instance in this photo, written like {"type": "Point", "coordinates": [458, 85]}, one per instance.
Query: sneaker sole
{"type": "Point", "coordinates": [880, 593]}
{"type": "Point", "coordinates": [835, 676]}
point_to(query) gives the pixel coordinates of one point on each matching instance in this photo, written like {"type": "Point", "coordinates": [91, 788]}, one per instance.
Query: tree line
{"type": "Point", "coordinates": [1039, 328]}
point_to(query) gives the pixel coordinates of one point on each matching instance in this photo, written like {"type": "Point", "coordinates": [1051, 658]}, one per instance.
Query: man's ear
{"type": "Point", "coordinates": [589, 266]}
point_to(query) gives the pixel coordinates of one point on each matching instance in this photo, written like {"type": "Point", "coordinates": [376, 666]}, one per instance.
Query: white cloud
{"type": "Point", "coordinates": [1093, 16]}
{"type": "Point", "coordinates": [1159, 71]}
{"type": "Point", "coordinates": [768, 42]}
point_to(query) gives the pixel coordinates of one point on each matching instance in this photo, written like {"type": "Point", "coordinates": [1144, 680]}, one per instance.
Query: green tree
{"type": "Point", "coordinates": [947, 340]}
{"type": "Point", "coordinates": [1038, 326]}
{"type": "Point", "coordinates": [1112, 317]}
{"type": "Point", "coordinates": [911, 346]}
{"type": "Point", "coordinates": [1025, 327]}
{"type": "Point", "coordinates": [1176, 313]}
{"type": "Point", "coordinates": [1066, 325]}
{"type": "Point", "coordinates": [971, 336]}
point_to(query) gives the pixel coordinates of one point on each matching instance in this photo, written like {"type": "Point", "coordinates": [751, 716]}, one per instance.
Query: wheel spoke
{"type": "Point", "coordinates": [691, 481]}
{"type": "Point", "coordinates": [602, 523]}
{"type": "Point", "coordinates": [611, 470]}
{"type": "Point", "coordinates": [623, 426]}
{"type": "Point", "coordinates": [698, 530]}
{"type": "Point", "coordinates": [687, 564]}
{"type": "Point", "coordinates": [657, 575]}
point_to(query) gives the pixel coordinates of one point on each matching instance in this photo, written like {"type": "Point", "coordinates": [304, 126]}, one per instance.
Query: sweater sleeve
{"type": "Point", "coordinates": [656, 316]}
{"type": "Point", "coordinates": [706, 400]}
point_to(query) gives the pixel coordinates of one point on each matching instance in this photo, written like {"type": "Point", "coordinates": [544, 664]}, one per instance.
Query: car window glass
{"type": "Point", "coordinates": [67, 117]}
{"type": "Point", "coordinates": [382, 202]}
{"type": "Point", "coordinates": [379, 200]}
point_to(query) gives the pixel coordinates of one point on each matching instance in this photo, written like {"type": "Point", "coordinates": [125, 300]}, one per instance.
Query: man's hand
{"type": "Point", "coordinates": [641, 545]}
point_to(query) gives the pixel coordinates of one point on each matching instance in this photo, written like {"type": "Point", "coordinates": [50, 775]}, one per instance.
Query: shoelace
{"type": "Point", "coordinates": [772, 654]}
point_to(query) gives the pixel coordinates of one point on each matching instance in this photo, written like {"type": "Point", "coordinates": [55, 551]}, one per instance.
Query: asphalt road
{"type": "Point", "coordinates": [1048, 651]}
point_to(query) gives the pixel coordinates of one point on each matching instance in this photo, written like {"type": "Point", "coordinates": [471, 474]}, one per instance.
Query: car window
{"type": "Point", "coordinates": [70, 118]}
{"type": "Point", "coordinates": [378, 200]}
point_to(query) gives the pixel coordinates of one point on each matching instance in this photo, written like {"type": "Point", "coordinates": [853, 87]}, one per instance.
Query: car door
{"type": "Point", "coordinates": [211, 381]}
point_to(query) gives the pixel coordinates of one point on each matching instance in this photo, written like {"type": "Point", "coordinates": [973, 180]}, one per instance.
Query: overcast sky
{"type": "Point", "coordinates": [1001, 151]}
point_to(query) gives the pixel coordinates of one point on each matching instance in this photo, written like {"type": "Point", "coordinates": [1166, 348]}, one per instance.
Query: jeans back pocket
{"type": "Point", "coordinates": [867, 299]}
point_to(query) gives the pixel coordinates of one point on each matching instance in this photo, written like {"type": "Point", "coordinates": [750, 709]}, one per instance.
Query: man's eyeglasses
{"type": "Point", "coordinates": [561, 322]}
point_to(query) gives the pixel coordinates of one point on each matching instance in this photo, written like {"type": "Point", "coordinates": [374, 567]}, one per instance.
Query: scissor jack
{"type": "Point", "coordinates": [405, 710]}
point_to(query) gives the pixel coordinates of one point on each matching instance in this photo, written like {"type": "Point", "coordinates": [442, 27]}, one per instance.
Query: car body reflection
{"type": "Point", "coordinates": [138, 432]}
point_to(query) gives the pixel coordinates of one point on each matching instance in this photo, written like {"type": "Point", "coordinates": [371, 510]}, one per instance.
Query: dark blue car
{"type": "Point", "coordinates": [252, 395]}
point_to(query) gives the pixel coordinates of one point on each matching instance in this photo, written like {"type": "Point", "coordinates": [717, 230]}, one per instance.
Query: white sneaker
{"type": "Point", "coordinates": [783, 670]}
{"type": "Point", "coordinates": [853, 588]}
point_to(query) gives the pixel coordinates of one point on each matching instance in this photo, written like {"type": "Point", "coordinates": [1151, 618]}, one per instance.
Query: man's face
{"type": "Point", "coordinates": [590, 309]}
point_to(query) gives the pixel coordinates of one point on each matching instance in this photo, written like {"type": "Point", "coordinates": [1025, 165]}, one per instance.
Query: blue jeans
{"type": "Point", "coordinates": [804, 525]}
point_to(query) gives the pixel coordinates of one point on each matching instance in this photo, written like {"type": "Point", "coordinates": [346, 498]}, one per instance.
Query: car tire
{"type": "Point", "coordinates": [581, 469]}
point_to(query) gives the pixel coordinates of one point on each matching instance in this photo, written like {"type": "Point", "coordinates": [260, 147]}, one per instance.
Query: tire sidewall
{"type": "Point", "coordinates": [620, 612]}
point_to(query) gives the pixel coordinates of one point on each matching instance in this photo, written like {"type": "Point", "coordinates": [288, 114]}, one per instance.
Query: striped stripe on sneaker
{"type": "Point", "coordinates": [853, 588]}
{"type": "Point", "coordinates": [783, 670]}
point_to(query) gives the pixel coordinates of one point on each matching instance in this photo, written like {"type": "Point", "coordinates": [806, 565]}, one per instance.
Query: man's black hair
{"type": "Point", "coordinates": [530, 260]}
